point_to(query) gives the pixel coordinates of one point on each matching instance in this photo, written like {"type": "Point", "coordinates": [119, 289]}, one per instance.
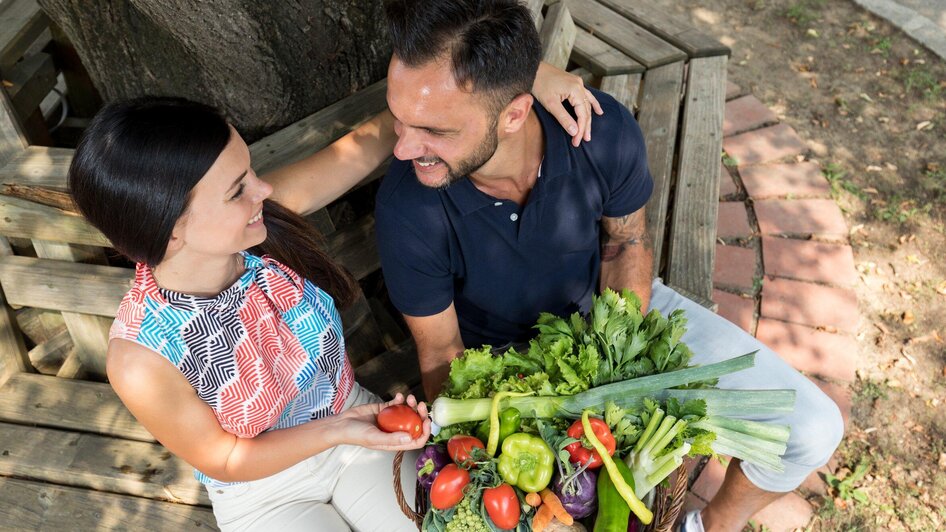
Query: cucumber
{"type": "Point", "coordinates": [613, 511]}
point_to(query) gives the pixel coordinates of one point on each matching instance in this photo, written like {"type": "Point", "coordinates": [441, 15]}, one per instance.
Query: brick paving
{"type": "Point", "coordinates": [780, 225]}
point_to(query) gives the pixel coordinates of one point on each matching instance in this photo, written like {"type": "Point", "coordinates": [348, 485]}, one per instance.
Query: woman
{"type": "Point", "coordinates": [236, 362]}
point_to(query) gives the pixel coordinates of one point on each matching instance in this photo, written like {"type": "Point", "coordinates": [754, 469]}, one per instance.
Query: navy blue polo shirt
{"type": "Point", "coordinates": [500, 263]}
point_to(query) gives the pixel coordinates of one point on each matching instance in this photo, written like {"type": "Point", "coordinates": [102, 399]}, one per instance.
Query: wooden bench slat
{"type": "Point", "coordinates": [21, 23]}
{"type": "Point", "coordinates": [626, 36]}
{"type": "Point", "coordinates": [601, 58]}
{"type": "Point", "coordinates": [355, 248]}
{"type": "Point", "coordinates": [39, 166]}
{"type": "Point", "coordinates": [25, 219]}
{"type": "Point", "coordinates": [98, 462]}
{"type": "Point", "coordinates": [42, 400]}
{"type": "Point", "coordinates": [558, 36]}
{"type": "Point", "coordinates": [393, 371]}
{"type": "Point", "coordinates": [13, 355]}
{"type": "Point", "coordinates": [692, 247]}
{"type": "Point", "coordinates": [623, 87]}
{"type": "Point", "coordinates": [658, 118]}
{"type": "Point", "coordinates": [38, 506]}
{"type": "Point", "coordinates": [684, 36]}
{"type": "Point", "coordinates": [33, 78]}
{"type": "Point", "coordinates": [314, 132]}
{"type": "Point", "coordinates": [535, 8]}
{"type": "Point", "coordinates": [64, 286]}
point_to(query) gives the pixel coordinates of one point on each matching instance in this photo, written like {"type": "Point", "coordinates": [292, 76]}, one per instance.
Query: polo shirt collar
{"type": "Point", "coordinates": [467, 198]}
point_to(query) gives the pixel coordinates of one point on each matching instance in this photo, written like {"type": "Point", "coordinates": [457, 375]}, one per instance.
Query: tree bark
{"type": "Point", "coordinates": [265, 64]}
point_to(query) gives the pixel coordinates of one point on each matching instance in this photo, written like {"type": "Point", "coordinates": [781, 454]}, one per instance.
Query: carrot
{"type": "Point", "coordinates": [543, 518]}
{"type": "Point", "coordinates": [533, 499]}
{"type": "Point", "coordinates": [552, 501]}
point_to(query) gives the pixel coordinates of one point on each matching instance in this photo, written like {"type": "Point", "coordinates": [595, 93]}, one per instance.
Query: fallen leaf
{"type": "Point", "coordinates": [926, 124]}
{"type": "Point", "coordinates": [890, 166]}
{"type": "Point", "coordinates": [873, 168]}
{"type": "Point", "coordinates": [941, 288]}
{"type": "Point", "coordinates": [865, 97]}
{"type": "Point", "coordinates": [942, 461]}
{"type": "Point", "coordinates": [908, 317]}
{"type": "Point", "coordinates": [871, 190]}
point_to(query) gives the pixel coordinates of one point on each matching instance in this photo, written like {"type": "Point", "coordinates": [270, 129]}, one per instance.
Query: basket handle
{"type": "Point", "coordinates": [417, 518]}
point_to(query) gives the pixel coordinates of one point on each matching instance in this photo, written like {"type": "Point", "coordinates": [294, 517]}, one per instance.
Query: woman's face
{"type": "Point", "coordinates": [225, 214]}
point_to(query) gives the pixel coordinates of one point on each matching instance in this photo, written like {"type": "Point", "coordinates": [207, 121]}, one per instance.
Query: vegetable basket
{"type": "Point", "coordinates": [666, 507]}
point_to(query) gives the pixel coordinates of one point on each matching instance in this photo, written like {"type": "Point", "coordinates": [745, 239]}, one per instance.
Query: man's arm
{"type": "Point", "coordinates": [438, 342]}
{"type": "Point", "coordinates": [627, 254]}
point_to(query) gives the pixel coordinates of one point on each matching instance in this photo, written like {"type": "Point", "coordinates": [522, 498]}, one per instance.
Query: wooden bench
{"type": "Point", "coordinates": [71, 455]}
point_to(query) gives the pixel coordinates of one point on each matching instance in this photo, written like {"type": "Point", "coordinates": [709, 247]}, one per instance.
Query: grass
{"type": "Point", "coordinates": [871, 390]}
{"type": "Point", "coordinates": [835, 175]}
{"type": "Point", "coordinates": [730, 161]}
{"type": "Point", "coordinates": [921, 81]}
{"type": "Point", "coordinates": [804, 12]}
{"type": "Point", "coordinates": [900, 210]}
{"type": "Point", "coordinates": [883, 46]}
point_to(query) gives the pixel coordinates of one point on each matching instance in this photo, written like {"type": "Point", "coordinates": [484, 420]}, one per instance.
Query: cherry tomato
{"type": "Point", "coordinates": [401, 418]}
{"type": "Point", "coordinates": [460, 445]}
{"type": "Point", "coordinates": [447, 489]}
{"type": "Point", "coordinates": [502, 505]}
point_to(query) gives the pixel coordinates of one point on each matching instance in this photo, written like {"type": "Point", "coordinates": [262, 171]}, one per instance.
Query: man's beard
{"type": "Point", "coordinates": [483, 153]}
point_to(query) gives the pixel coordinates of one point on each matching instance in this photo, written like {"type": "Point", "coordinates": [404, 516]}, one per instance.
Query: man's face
{"type": "Point", "coordinates": [446, 132]}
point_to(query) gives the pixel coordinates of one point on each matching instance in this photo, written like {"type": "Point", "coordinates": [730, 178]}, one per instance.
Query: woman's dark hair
{"type": "Point", "coordinates": [135, 167]}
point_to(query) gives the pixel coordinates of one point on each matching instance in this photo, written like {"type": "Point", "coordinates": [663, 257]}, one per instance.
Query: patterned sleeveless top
{"type": "Point", "coordinates": [266, 353]}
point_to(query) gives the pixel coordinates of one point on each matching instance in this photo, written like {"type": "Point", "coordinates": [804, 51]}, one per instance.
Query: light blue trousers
{"type": "Point", "coordinates": [816, 424]}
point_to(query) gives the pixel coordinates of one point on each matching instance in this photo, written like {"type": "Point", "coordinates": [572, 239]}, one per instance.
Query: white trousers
{"type": "Point", "coordinates": [344, 488]}
{"type": "Point", "coordinates": [816, 424]}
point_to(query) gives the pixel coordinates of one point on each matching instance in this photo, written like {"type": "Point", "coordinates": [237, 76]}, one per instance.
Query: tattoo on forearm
{"type": "Point", "coordinates": [621, 233]}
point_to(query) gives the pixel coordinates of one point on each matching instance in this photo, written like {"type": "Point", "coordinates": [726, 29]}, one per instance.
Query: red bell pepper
{"type": "Point", "coordinates": [579, 454]}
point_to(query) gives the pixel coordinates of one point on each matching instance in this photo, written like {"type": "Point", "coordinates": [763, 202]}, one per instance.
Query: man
{"type": "Point", "coordinates": [490, 217]}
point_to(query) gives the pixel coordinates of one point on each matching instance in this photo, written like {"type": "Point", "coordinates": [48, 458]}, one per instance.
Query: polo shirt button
{"type": "Point", "coordinates": [498, 204]}
{"type": "Point", "coordinates": [514, 217]}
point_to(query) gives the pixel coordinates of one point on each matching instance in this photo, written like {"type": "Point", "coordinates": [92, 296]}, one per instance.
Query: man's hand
{"type": "Point", "coordinates": [438, 342]}
{"type": "Point", "coordinates": [627, 255]}
{"type": "Point", "coordinates": [552, 87]}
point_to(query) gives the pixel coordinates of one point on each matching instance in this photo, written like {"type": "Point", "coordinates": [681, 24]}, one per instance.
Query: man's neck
{"type": "Point", "coordinates": [512, 171]}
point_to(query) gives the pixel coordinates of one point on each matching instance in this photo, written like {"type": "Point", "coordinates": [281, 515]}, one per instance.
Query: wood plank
{"type": "Point", "coordinates": [623, 87]}
{"type": "Point", "coordinates": [600, 57]}
{"type": "Point", "coordinates": [37, 165]}
{"type": "Point", "coordinates": [12, 137]}
{"type": "Point", "coordinates": [314, 132]}
{"type": "Point", "coordinates": [14, 358]}
{"type": "Point", "coordinates": [587, 76]}
{"type": "Point", "coordinates": [535, 8]}
{"type": "Point", "coordinates": [393, 371]}
{"type": "Point", "coordinates": [39, 325]}
{"type": "Point", "coordinates": [25, 219]}
{"type": "Point", "coordinates": [621, 33]}
{"type": "Point", "coordinates": [89, 333]}
{"type": "Point", "coordinates": [32, 80]}
{"type": "Point", "coordinates": [21, 22]}
{"type": "Point", "coordinates": [41, 400]}
{"type": "Point", "coordinates": [672, 29]}
{"type": "Point", "coordinates": [51, 197]}
{"type": "Point", "coordinates": [557, 36]}
{"type": "Point", "coordinates": [49, 356]}
{"type": "Point", "coordinates": [362, 335]}
{"type": "Point", "coordinates": [692, 247]}
{"type": "Point", "coordinates": [355, 248]}
{"type": "Point", "coordinates": [98, 462]}
{"type": "Point", "coordinates": [72, 368]}
{"type": "Point", "coordinates": [658, 118]}
{"type": "Point", "coordinates": [37, 506]}
{"type": "Point", "coordinates": [64, 286]}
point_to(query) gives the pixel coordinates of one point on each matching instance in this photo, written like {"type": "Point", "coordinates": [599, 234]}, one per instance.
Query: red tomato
{"type": "Point", "coordinates": [401, 418]}
{"type": "Point", "coordinates": [459, 446]}
{"type": "Point", "coordinates": [502, 505]}
{"type": "Point", "coordinates": [447, 489]}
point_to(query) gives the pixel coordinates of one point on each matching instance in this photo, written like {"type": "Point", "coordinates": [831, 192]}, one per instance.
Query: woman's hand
{"type": "Point", "coordinates": [552, 87]}
{"type": "Point", "coordinates": [360, 426]}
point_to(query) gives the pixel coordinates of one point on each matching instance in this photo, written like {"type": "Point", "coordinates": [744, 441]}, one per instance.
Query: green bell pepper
{"type": "Point", "coordinates": [526, 462]}
{"type": "Point", "coordinates": [509, 422]}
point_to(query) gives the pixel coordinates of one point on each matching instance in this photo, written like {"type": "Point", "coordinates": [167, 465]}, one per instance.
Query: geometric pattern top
{"type": "Point", "coordinates": [266, 353]}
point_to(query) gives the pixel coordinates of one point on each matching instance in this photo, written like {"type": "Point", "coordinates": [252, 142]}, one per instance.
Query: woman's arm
{"type": "Point", "coordinates": [165, 403]}
{"type": "Point", "coordinates": [319, 179]}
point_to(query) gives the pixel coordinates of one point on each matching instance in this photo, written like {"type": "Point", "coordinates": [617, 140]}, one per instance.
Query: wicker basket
{"type": "Point", "coordinates": [668, 501]}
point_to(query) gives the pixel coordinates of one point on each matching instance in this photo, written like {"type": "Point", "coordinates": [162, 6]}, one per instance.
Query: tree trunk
{"type": "Point", "coordinates": [265, 64]}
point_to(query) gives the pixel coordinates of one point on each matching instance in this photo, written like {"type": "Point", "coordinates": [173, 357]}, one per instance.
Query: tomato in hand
{"type": "Point", "coordinates": [401, 418]}
{"type": "Point", "coordinates": [460, 445]}
{"type": "Point", "coordinates": [447, 489]}
{"type": "Point", "coordinates": [502, 505]}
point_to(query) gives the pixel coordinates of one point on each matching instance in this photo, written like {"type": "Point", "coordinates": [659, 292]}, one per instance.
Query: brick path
{"type": "Point", "coordinates": [784, 270]}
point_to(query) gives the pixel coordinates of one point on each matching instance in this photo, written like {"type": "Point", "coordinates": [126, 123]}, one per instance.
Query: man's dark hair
{"type": "Point", "coordinates": [493, 45]}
